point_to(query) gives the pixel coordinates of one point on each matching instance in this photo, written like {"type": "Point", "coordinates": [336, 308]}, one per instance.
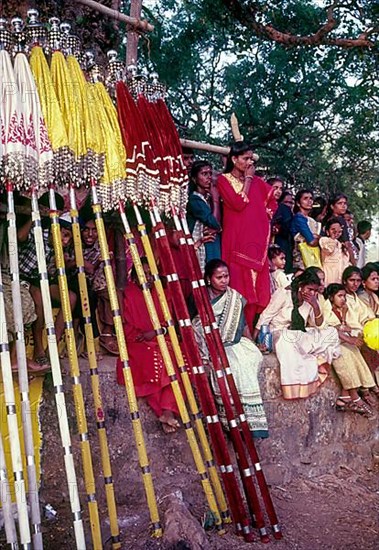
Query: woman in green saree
{"type": "Point", "coordinates": [243, 355]}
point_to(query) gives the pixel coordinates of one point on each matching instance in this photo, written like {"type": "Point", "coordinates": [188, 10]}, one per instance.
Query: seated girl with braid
{"type": "Point", "coordinates": [303, 343]}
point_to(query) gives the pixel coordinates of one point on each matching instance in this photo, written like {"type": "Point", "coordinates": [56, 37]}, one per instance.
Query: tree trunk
{"type": "Point", "coordinates": [132, 36]}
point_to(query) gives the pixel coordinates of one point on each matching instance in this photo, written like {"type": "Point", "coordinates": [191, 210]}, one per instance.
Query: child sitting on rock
{"type": "Point", "coordinates": [99, 296]}
{"type": "Point", "coordinates": [352, 370]}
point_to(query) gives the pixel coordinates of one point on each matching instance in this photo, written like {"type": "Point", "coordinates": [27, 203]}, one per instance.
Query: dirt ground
{"type": "Point", "coordinates": [338, 510]}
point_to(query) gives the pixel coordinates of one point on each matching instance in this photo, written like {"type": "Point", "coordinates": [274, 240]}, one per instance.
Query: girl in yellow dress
{"type": "Point", "coordinates": [352, 370]}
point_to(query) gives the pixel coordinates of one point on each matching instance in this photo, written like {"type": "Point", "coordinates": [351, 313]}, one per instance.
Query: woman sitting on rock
{"type": "Point", "coordinates": [359, 314]}
{"type": "Point", "coordinates": [145, 360]}
{"type": "Point", "coordinates": [243, 355]}
{"type": "Point", "coordinates": [304, 345]}
{"type": "Point", "coordinates": [351, 368]}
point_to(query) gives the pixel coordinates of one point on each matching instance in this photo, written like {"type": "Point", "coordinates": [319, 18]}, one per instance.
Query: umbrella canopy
{"type": "Point", "coordinates": [38, 160]}
{"type": "Point", "coordinates": [12, 125]}
{"type": "Point", "coordinates": [112, 186]}
{"type": "Point", "coordinates": [69, 100]}
{"type": "Point", "coordinates": [90, 129]}
{"type": "Point", "coordinates": [63, 155]}
{"type": "Point", "coordinates": [141, 167]}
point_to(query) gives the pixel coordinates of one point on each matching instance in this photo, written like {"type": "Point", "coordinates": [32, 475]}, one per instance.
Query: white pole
{"type": "Point", "coordinates": [26, 413]}
{"type": "Point", "coordinates": [57, 379]}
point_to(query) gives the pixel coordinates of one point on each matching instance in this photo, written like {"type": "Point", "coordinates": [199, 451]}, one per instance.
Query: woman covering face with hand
{"type": "Point", "coordinates": [304, 345]}
{"type": "Point", "coordinates": [247, 204]}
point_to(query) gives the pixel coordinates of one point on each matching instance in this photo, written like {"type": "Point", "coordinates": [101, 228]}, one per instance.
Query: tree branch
{"type": "Point", "coordinates": [249, 18]}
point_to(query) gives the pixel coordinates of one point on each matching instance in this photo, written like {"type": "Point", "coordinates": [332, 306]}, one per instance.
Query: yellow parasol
{"type": "Point", "coordinates": [63, 156]}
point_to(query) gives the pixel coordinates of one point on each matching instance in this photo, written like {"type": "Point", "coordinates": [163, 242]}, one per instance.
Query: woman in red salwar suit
{"type": "Point", "coordinates": [248, 205]}
{"type": "Point", "coordinates": [145, 360]}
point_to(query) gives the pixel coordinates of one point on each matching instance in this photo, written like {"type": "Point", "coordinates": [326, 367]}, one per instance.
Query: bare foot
{"type": "Point", "coordinates": [324, 368]}
{"type": "Point", "coordinates": [169, 423]}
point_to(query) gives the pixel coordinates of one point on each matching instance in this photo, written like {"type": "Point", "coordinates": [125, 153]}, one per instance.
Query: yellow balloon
{"type": "Point", "coordinates": [371, 334]}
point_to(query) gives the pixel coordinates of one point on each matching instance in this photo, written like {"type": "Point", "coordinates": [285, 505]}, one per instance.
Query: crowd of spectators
{"type": "Point", "coordinates": [299, 264]}
{"type": "Point", "coordinates": [275, 261]}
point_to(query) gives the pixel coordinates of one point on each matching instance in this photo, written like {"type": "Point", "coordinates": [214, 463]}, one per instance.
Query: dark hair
{"type": "Point", "coordinates": [314, 269]}
{"type": "Point", "coordinates": [332, 201]}
{"type": "Point", "coordinates": [237, 149]}
{"type": "Point", "coordinates": [195, 169]}
{"type": "Point", "coordinates": [363, 226]}
{"type": "Point", "coordinates": [330, 222]}
{"type": "Point", "coordinates": [332, 289]}
{"type": "Point", "coordinates": [187, 151]}
{"type": "Point", "coordinates": [318, 206]}
{"type": "Point", "coordinates": [284, 195]}
{"type": "Point", "coordinates": [349, 271]}
{"type": "Point", "coordinates": [368, 269]}
{"type": "Point", "coordinates": [212, 265]}
{"type": "Point", "coordinates": [274, 250]}
{"type": "Point", "coordinates": [44, 200]}
{"type": "Point", "coordinates": [298, 196]}
{"type": "Point", "coordinates": [306, 278]}
{"type": "Point", "coordinates": [272, 180]}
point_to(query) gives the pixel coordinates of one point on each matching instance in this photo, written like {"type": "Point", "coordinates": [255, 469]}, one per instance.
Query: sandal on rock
{"type": "Point", "coordinates": [368, 398]}
{"type": "Point", "coordinates": [361, 407]}
{"type": "Point", "coordinates": [109, 343]}
{"type": "Point", "coordinates": [343, 404]}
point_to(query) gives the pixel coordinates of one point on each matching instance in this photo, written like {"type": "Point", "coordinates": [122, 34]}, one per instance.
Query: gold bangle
{"type": "Point", "coordinates": [318, 316]}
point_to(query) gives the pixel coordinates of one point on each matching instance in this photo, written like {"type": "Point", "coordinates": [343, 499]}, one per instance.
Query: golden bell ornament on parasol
{"type": "Point", "coordinates": [371, 334]}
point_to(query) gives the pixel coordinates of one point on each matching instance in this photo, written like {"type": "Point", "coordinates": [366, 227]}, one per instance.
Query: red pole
{"type": "Point", "coordinates": [205, 395]}
{"type": "Point", "coordinates": [209, 318]}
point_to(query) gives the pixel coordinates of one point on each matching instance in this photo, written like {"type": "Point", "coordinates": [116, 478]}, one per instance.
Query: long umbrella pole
{"type": "Point", "coordinates": [89, 479]}
{"type": "Point", "coordinates": [200, 377]}
{"type": "Point", "coordinates": [234, 392]}
{"type": "Point", "coordinates": [196, 414]}
{"type": "Point", "coordinates": [191, 437]}
{"type": "Point", "coordinates": [6, 501]}
{"type": "Point", "coordinates": [23, 375]}
{"type": "Point", "coordinates": [99, 410]}
{"type": "Point", "coordinates": [128, 379]}
{"type": "Point", "coordinates": [57, 379]}
{"type": "Point", "coordinates": [233, 422]}
{"type": "Point", "coordinates": [14, 441]}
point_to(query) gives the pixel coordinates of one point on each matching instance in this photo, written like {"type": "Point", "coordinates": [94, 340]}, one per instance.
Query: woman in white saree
{"type": "Point", "coordinates": [304, 344]}
{"type": "Point", "coordinates": [243, 355]}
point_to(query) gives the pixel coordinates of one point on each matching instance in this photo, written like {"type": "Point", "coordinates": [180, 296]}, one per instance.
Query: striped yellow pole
{"type": "Point", "coordinates": [129, 386]}
{"type": "Point", "coordinates": [89, 480]}
{"type": "Point", "coordinates": [207, 487]}
{"type": "Point", "coordinates": [99, 410]}
{"type": "Point", "coordinates": [60, 400]}
{"type": "Point", "coordinates": [196, 414]}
